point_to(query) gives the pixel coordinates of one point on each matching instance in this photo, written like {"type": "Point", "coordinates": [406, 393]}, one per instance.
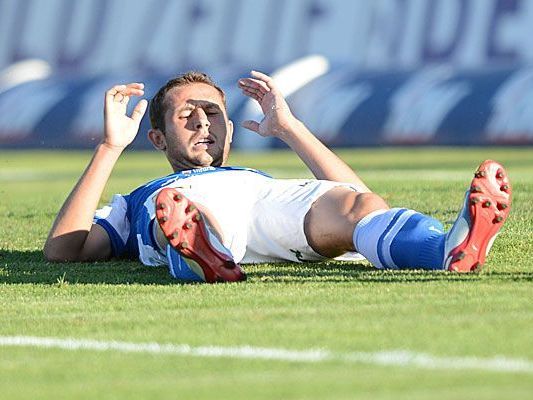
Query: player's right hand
{"type": "Point", "coordinates": [119, 128]}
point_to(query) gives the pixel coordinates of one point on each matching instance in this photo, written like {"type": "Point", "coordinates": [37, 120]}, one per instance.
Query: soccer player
{"type": "Point", "coordinates": [206, 218]}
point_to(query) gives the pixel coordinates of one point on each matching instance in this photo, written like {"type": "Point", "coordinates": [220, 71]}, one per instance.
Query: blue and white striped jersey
{"type": "Point", "coordinates": [226, 191]}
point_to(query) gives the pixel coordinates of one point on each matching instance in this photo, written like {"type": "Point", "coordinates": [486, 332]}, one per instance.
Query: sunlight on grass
{"type": "Point", "coordinates": [342, 307]}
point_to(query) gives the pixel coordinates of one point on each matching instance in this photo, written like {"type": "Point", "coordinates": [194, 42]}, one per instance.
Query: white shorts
{"type": "Point", "coordinates": [276, 231]}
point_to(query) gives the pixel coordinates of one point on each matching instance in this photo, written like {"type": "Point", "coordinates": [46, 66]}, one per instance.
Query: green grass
{"type": "Point", "coordinates": [335, 306]}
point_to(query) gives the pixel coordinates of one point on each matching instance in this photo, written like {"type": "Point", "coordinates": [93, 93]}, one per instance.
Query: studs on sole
{"type": "Point", "coordinates": [476, 267]}
{"type": "Point", "coordinates": [173, 235]}
{"type": "Point", "coordinates": [486, 204]}
{"type": "Point", "coordinates": [229, 264]}
{"type": "Point", "coordinates": [163, 219]}
{"type": "Point", "coordinates": [480, 174]}
{"type": "Point", "coordinates": [161, 206]}
{"type": "Point", "coordinates": [459, 256]}
{"type": "Point", "coordinates": [188, 225]}
{"type": "Point", "coordinates": [475, 189]}
{"type": "Point", "coordinates": [197, 217]}
{"type": "Point", "coordinates": [474, 200]}
{"type": "Point", "coordinates": [184, 245]}
{"type": "Point", "coordinates": [502, 206]}
{"type": "Point", "coordinates": [498, 219]}
{"type": "Point", "coordinates": [499, 174]}
{"type": "Point", "coordinates": [178, 197]}
{"type": "Point", "coordinates": [190, 208]}
{"type": "Point", "coordinates": [504, 188]}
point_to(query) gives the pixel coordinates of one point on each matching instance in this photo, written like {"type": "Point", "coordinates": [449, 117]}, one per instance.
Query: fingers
{"type": "Point", "coordinates": [122, 93]}
{"type": "Point", "coordinates": [258, 86]}
{"type": "Point", "coordinates": [253, 95]}
{"type": "Point", "coordinates": [253, 88]}
{"type": "Point", "coordinates": [139, 110]}
{"type": "Point", "coordinates": [251, 125]}
{"type": "Point", "coordinates": [269, 82]}
{"type": "Point", "coordinates": [254, 85]}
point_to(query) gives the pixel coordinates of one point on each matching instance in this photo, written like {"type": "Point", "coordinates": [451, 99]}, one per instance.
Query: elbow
{"type": "Point", "coordinates": [53, 256]}
{"type": "Point", "coordinates": [47, 252]}
{"type": "Point", "coordinates": [57, 254]}
{"type": "Point", "coordinates": [75, 247]}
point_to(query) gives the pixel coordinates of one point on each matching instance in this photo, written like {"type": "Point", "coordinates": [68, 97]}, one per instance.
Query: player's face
{"type": "Point", "coordinates": [197, 130]}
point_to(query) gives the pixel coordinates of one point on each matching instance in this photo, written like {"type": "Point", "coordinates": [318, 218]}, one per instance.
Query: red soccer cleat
{"type": "Point", "coordinates": [184, 227]}
{"type": "Point", "coordinates": [487, 205]}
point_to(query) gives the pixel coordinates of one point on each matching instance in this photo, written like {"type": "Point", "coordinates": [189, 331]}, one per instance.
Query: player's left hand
{"type": "Point", "coordinates": [278, 118]}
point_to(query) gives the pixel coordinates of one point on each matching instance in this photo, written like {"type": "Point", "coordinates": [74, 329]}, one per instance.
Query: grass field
{"type": "Point", "coordinates": [343, 309]}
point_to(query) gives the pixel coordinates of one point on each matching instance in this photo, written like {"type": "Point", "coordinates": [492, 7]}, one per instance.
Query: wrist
{"type": "Point", "coordinates": [110, 148]}
{"type": "Point", "coordinates": [292, 130]}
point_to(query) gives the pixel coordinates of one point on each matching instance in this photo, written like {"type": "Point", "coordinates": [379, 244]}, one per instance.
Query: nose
{"type": "Point", "coordinates": [201, 120]}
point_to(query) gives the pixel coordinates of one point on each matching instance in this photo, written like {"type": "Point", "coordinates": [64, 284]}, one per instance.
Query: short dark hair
{"type": "Point", "coordinates": [157, 104]}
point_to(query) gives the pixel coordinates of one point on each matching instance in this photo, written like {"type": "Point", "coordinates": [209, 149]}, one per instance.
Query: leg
{"type": "Point", "coordinates": [182, 226]}
{"type": "Point", "coordinates": [414, 240]}
{"type": "Point", "coordinates": [331, 220]}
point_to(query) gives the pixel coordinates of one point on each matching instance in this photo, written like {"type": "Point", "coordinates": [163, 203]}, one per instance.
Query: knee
{"type": "Point", "coordinates": [365, 203]}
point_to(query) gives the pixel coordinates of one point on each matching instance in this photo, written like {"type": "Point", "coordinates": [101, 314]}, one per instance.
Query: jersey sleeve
{"type": "Point", "coordinates": [114, 219]}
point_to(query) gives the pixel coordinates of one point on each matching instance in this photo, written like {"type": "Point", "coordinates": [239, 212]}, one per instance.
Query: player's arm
{"type": "Point", "coordinates": [73, 236]}
{"type": "Point", "coordinates": [281, 123]}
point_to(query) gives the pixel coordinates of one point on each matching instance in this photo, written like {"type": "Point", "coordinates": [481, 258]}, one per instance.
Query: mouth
{"type": "Point", "coordinates": [204, 143]}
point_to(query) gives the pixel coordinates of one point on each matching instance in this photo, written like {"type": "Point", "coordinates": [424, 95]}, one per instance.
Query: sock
{"type": "Point", "coordinates": [179, 268]}
{"type": "Point", "coordinates": [400, 238]}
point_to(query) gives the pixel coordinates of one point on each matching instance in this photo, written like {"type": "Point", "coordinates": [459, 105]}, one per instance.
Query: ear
{"type": "Point", "coordinates": [158, 139]}
{"type": "Point", "coordinates": [230, 131]}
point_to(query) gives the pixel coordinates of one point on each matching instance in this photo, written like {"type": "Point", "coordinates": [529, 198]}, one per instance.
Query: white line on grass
{"type": "Point", "coordinates": [386, 358]}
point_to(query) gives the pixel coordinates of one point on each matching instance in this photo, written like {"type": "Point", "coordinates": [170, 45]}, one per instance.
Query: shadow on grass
{"type": "Point", "coordinates": [30, 267]}
{"type": "Point", "coordinates": [331, 271]}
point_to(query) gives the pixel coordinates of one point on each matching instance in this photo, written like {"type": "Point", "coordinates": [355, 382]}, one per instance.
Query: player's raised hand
{"type": "Point", "coordinates": [119, 128]}
{"type": "Point", "coordinates": [277, 115]}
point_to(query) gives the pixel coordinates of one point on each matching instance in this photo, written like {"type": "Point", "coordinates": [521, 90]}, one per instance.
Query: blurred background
{"type": "Point", "coordinates": [357, 72]}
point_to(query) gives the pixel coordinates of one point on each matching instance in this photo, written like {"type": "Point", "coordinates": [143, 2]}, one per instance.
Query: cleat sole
{"type": "Point", "coordinates": [489, 207]}
{"type": "Point", "coordinates": [186, 231]}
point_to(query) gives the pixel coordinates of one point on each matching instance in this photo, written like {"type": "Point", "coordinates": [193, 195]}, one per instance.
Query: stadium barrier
{"type": "Point", "coordinates": [344, 106]}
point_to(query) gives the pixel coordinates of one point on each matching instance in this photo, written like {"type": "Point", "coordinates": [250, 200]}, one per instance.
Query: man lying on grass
{"type": "Point", "coordinates": [206, 218]}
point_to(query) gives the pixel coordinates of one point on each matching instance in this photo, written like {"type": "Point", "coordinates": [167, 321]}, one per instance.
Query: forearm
{"type": "Point", "coordinates": [74, 221]}
{"type": "Point", "coordinates": [281, 123]}
{"type": "Point", "coordinates": [323, 163]}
